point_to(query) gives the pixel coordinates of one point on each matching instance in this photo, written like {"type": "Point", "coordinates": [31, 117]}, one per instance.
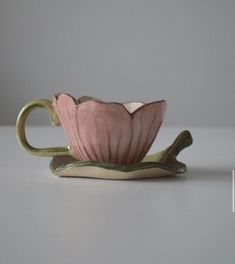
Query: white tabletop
{"type": "Point", "coordinates": [181, 219]}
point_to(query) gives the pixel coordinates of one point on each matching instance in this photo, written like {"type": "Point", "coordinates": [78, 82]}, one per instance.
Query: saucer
{"type": "Point", "coordinates": [160, 164]}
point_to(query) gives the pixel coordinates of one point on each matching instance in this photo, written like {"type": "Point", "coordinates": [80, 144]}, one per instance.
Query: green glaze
{"type": "Point", "coordinates": [183, 140]}
{"type": "Point", "coordinates": [20, 129]}
{"type": "Point", "coordinates": [165, 160]}
{"type": "Point", "coordinates": [59, 165]}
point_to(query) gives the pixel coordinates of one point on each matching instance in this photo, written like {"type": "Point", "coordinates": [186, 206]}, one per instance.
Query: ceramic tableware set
{"type": "Point", "coordinates": [108, 140]}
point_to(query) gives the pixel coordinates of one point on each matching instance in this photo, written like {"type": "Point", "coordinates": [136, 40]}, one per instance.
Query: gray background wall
{"type": "Point", "coordinates": [182, 51]}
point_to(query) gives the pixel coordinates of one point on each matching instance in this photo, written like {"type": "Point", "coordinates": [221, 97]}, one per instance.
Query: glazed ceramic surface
{"type": "Point", "coordinates": [163, 163]}
{"type": "Point", "coordinates": [109, 132]}
{"type": "Point", "coordinates": [106, 140]}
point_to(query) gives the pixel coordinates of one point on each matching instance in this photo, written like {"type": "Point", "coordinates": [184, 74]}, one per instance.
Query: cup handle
{"type": "Point", "coordinates": [20, 129]}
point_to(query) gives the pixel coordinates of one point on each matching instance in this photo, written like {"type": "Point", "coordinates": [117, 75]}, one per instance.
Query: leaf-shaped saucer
{"type": "Point", "coordinates": [163, 163]}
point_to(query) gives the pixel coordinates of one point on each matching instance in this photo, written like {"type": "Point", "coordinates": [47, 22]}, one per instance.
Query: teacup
{"type": "Point", "coordinates": [111, 132]}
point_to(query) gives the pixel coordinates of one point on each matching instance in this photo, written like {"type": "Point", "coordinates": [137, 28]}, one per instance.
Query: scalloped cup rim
{"type": "Point", "coordinates": [77, 103]}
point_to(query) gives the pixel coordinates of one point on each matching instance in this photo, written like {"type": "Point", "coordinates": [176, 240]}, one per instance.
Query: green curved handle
{"type": "Point", "coordinates": [20, 129]}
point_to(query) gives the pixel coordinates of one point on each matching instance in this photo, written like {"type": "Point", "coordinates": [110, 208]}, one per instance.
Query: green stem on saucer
{"type": "Point", "coordinates": [183, 140]}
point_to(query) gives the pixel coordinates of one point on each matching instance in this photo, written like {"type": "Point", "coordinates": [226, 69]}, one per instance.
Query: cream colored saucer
{"type": "Point", "coordinates": [163, 163]}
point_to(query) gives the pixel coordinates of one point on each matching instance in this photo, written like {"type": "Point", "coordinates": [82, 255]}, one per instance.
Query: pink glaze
{"type": "Point", "coordinates": [108, 132]}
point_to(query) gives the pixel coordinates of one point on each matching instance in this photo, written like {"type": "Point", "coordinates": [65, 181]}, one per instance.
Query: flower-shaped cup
{"type": "Point", "coordinates": [108, 131]}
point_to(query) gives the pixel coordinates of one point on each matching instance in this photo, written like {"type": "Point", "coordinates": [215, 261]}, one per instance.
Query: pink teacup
{"type": "Point", "coordinates": [118, 133]}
